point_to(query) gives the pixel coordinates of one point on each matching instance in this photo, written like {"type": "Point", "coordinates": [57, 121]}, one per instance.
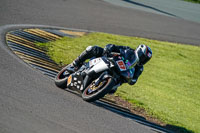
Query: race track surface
{"type": "Point", "coordinates": [98, 15]}
{"type": "Point", "coordinates": [30, 102]}
{"type": "Point", "coordinates": [174, 8]}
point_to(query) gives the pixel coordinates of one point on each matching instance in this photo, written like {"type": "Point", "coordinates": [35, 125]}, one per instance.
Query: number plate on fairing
{"type": "Point", "coordinates": [121, 65]}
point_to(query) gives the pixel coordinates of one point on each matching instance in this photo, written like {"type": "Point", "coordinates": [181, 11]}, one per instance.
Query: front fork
{"type": "Point", "coordinates": [104, 76]}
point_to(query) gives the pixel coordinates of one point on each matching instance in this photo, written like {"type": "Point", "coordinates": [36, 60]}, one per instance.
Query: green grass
{"type": "Point", "coordinates": [169, 87]}
{"type": "Point", "coordinates": [193, 1]}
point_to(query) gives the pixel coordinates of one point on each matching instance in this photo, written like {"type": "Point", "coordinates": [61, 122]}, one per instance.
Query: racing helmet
{"type": "Point", "coordinates": [144, 54]}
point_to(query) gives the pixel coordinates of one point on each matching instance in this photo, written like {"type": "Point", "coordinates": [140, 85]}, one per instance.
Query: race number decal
{"type": "Point", "coordinates": [121, 65]}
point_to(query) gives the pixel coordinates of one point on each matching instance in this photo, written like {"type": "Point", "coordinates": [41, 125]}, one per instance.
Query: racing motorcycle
{"type": "Point", "coordinates": [99, 76]}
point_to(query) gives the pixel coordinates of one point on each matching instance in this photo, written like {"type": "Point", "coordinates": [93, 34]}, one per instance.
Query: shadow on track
{"type": "Point", "coordinates": [149, 7]}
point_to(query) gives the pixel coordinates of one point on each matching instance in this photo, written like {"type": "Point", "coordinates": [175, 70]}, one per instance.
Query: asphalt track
{"type": "Point", "coordinates": [98, 15]}
{"type": "Point", "coordinates": [30, 102]}
{"type": "Point", "coordinates": [174, 8]}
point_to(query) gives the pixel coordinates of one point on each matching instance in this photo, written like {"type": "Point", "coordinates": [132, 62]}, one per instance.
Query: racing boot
{"type": "Point", "coordinates": [74, 66]}
{"type": "Point", "coordinates": [78, 62]}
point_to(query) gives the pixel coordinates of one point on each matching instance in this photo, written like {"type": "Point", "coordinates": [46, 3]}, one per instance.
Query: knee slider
{"type": "Point", "coordinates": [90, 51]}
{"type": "Point", "coordinates": [89, 48]}
{"type": "Point", "coordinates": [94, 50]}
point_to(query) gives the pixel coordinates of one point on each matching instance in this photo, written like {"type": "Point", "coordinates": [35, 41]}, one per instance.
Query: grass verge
{"type": "Point", "coordinates": [168, 89]}
{"type": "Point", "coordinates": [193, 1]}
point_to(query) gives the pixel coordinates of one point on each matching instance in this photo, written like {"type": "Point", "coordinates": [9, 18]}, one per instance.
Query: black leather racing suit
{"type": "Point", "coordinates": [95, 51]}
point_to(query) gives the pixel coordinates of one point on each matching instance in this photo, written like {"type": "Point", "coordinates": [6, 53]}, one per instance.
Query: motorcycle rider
{"type": "Point", "coordinates": [138, 57]}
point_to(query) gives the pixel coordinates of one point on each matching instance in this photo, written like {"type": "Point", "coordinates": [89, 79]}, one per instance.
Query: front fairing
{"type": "Point", "coordinates": [98, 65]}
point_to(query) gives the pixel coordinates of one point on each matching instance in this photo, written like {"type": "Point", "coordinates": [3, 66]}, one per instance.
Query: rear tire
{"type": "Point", "coordinates": [61, 79]}
{"type": "Point", "coordinates": [100, 91]}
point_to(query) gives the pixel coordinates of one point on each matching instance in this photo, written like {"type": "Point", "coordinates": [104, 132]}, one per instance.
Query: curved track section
{"type": "Point", "coordinates": [23, 43]}
{"type": "Point", "coordinates": [30, 102]}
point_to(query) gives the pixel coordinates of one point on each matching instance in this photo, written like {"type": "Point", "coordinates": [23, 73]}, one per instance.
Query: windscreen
{"type": "Point", "coordinates": [130, 58]}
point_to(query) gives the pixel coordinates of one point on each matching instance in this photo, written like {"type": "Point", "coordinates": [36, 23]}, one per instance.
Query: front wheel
{"type": "Point", "coordinates": [92, 92]}
{"type": "Point", "coordinates": [62, 77]}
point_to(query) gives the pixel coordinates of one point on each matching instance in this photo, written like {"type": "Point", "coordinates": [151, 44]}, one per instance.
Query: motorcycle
{"type": "Point", "coordinates": [98, 77]}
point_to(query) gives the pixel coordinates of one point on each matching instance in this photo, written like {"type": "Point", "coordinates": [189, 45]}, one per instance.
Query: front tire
{"type": "Point", "coordinates": [90, 94]}
{"type": "Point", "coordinates": [61, 78]}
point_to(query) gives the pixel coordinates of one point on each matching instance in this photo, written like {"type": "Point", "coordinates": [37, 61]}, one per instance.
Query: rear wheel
{"type": "Point", "coordinates": [92, 92]}
{"type": "Point", "coordinates": [62, 77]}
